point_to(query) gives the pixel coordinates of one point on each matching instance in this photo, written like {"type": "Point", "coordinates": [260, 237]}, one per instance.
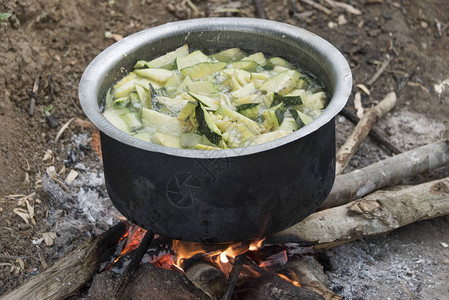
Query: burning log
{"type": "Point", "coordinates": [151, 282]}
{"type": "Point", "coordinates": [70, 273]}
{"type": "Point", "coordinates": [379, 212]}
{"type": "Point", "coordinates": [388, 172]}
{"type": "Point", "coordinates": [311, 275]}
{"type": "Point", "coordinates": [207, 278]}
{"type": "Point", "coordinates": [362, 129]}
{"type": "Point", "coordinates": [270, 286]}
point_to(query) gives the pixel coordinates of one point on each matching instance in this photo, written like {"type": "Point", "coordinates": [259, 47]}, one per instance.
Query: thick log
{"type": "Point", "coordinates": [388, 172]}
{"type": "Point", "coordinates": [362, 129]}
{"type": "Point", "coordinates": [70, 273]}
{"type": "Point", "coordinates": [379, 212]}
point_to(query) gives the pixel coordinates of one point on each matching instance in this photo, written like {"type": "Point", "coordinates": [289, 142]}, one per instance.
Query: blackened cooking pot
{"type": "Point", "coordinates": [219, 195]}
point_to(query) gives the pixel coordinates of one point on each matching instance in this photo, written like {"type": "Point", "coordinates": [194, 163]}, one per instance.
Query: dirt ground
{"type": "Point", "coordinates": [57, 39]}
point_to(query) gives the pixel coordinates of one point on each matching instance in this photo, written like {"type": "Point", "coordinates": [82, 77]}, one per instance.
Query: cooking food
{"type": "Point", "coordinates": [225, 100]}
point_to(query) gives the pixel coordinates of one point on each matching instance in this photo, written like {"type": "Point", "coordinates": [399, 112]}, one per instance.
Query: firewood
{"type": "Point", "coordinates": [362, 129]}
{"type": "Point", "coordinates": [70, 273]}
{"type": "Point", "coordinates": [379, 212]}
{"type": "Point", "coordinates": [388, 172]}
{"type": "Point", "coordinates": [311, 275]}
{"type": "Point", "coordinates": [269, 286]}
{"type": "Point", "coordinates": [207, 278]}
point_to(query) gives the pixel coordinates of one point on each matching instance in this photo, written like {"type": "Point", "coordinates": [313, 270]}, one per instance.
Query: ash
{"type": "Point", "coordinates": [409, 263]}
{"type": "Point", "coordinates": [86, 209]}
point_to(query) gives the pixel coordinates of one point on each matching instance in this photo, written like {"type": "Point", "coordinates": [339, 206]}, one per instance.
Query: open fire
{"type": "Point", "coordinates": [177, 255]}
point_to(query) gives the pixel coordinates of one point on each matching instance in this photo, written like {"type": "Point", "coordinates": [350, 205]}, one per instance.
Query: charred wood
{"type": "Point", "coordinates": [70, 273]}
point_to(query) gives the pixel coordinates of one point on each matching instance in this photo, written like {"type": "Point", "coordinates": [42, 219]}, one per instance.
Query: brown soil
{"type": "Point", "coordinates": [59, 38]}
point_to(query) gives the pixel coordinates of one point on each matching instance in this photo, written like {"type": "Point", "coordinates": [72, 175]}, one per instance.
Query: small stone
{"type": "Point", "coordinates": [342, 20]}
{"type": "Point", "coordinates": [445, 245]}
{"type": "Point", "coordinates": [332, 25]}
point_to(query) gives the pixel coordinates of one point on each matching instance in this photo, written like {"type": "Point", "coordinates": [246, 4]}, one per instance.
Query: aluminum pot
{"type": "Point", "coordinates": [220, 195]}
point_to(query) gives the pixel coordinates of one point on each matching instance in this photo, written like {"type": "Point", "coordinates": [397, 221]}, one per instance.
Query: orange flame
{"type": "Point", "coordinates": [294, 281]}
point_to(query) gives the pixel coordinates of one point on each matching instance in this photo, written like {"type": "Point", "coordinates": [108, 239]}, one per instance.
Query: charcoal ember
{"type": "Point", "coordinates": [56, 193]}
{"type": "Point", "coordinates": [155, 283]}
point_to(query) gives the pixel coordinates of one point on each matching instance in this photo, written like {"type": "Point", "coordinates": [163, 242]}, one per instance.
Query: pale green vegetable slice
{"type": "Point", "coordinates": [167, 140]}
{"type": "Point", "coordinates": [266, 137]}
{"type": "Point", "coordinates": [205, 87]}
{"type": "Point", "coordinates": [166, 61]}
{"type": "Point", "coordinates": [192, 59]}
{"type": "Point", "coordinates": [229, 55]}
{"type": "Point", "coordinates": [282, 83]}
{"type": "Point", "coordinates": [160, 75]}
{"type": "Point", "coordinates": [258, 58]}
{"type": "Point", "coordinates": [162, 122]}
{"type": "Point", "coordinates": [209, 102]}
{"type": "Point", "coordinates": [202, 70]}
{"type": "Point", "coordinates": [244, 91]}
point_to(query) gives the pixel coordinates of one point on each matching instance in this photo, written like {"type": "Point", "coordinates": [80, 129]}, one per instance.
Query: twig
{"type": "Point", "coordinates": [380, 71]}
{"type": "Point", "coordinates": [260, 10]}
{"type": "Point", "coordinates": [362, 129]}
{"type": "Point", "coordinates": [8, 257]}
{"type": "Point", "coordinates": [317, 6]}
{"type": "Point", "coordinates": [347, 7]}
{"type": "Point", "coordinates": [63, 128]}
{"type": "Point", "coordinates": [234, 275]}
{"type": "Point", "coordinates": [388, 172]}
{"type": "Point", "coordinates": [41, 257]}
{"type": "Point", "coordinates": [375, 133]}
{"type": "Point", "coordinates": [76, 105]}
{"type": "Point", "coordinates": [50, 87]}
{"type": "Point", "coordinates": [134, 263]}
{"type": "Point", "coordinates": [34, 95]}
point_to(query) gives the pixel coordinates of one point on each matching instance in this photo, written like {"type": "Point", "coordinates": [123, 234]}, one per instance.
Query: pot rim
{"type": "Point", "coordinates": [90, 84]}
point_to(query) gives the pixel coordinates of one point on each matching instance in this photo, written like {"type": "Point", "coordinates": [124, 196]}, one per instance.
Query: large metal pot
{"type": "Point", "coordinates": [222, 195]}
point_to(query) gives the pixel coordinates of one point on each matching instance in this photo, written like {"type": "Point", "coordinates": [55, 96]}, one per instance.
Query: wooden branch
{"type": "Point", "coordinates": [388, 172]}
{"type": "Point", "coordinates": [375, 133]}
{"type": "Point", "coordinates": [234, 275]}
{"type": "Point", "coordinates": [362, 129]}
{"type": "Point", "coordinates": [379, 212]}
{"type": "Point", "coordinates": [70, 273]}
{"type": "Point", "coordinates": [347, 7]}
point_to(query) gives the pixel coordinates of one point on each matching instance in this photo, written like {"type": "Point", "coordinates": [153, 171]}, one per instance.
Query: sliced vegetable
{"type": "Point", "coordinates": [166, 61]}
{"type": "Point", "coordinates": [192, 59]}
{"type": "Point", "coordinates": [258, 58]}
{"type": "Point", "coordinates": [288, 100]}
{"type": "Point", "coordinates": [187, 111]}
{"type": "Point", "coordinates": [167, 140]}
{"type": "Point", "coordinates": [226, 100]}
{"type": "Point", "coordinates": [250, 110]}
{"type": "Point", "coordinates": [207, 101]}
{"type": "Point", "coordinates": [206, 125]}
{"type": "Point", "coordinates": [202, 70]}
{"type": "Point", "coordinates": [277, 61]}
{"type": "Point", "coordinates": [300, 118]}
{"type": "Point", "coordinates": [160, 75]}
{"type": "Point", "coordinates": [247, 65]}
{"type": "Point", "coordinates": [282, 83]}
{"type": "Point", "coordinates": [229, 55]}
{"type": "Point", "coordinates": [205, 87]}
{"type": "Point", "coordinates": [274, 116]}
